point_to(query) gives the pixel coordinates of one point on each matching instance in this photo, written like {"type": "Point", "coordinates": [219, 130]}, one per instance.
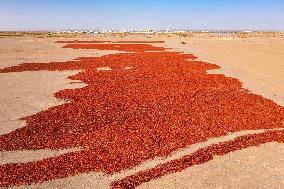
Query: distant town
{"type": "Point", "coordinates": [134, 31]}
{"type": "Point", "coordinates": [144, 31]}
{"type": "Point", "coordinates": [149, 33]}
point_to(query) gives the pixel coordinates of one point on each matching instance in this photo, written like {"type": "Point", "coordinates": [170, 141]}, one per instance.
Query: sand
{"type": "Point", "coordinates": [257, 62]}
{"type": "Point", "coordinates": [255, 167]}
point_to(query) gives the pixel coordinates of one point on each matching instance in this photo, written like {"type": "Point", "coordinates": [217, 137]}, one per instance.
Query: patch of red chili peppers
{"type": "Point", "coordinates": [97, 41]}
{"type": "Point", "coordinates": [119, 47]}
{"type": "Point", "coordinates": [126, 116]}
{"type": "Point", "coordinates": [200, 156]}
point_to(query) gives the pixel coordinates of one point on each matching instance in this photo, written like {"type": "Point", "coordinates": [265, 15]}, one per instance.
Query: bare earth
{"type": "Point", "coordinates": [257, 62]}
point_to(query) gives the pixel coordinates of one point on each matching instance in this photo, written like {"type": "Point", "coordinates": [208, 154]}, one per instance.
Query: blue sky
{"type": "Point", "coordinates": [157, 14]}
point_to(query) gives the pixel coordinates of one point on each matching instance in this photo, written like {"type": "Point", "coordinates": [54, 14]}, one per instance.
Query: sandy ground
{"type": "Point", "coordinates": [255, 167]}
{"type": "Point", "coordinates": [20, 94]}
{"type": "Point", "coordinates": [257, 62]}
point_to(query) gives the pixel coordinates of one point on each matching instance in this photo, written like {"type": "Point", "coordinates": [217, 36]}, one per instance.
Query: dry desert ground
{"type": "Point", "coordinates": [257, 62]}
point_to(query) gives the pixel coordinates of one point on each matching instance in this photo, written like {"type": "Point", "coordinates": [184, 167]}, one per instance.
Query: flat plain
{"type": "Point", "coordinates": [256, 63]}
